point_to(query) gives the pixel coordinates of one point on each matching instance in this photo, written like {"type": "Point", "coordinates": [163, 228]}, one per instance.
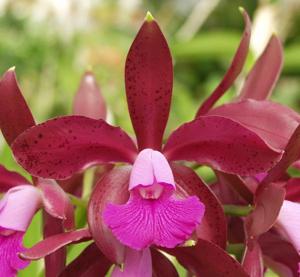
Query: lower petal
{"type": "Point", "coordinates": [10, 246]}
{"type": "Point", "coordinates": [137, 263]}
{"type": "Point", "coordinates": [165, 222]}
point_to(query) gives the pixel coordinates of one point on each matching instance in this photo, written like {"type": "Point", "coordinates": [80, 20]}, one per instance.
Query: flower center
{"type": "Point", "coordinates": [151, 192]}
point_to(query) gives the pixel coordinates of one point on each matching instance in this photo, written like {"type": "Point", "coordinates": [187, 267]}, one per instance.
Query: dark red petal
{"type": "Point", "coordinates": [162, 266]}
{"type": "Point", "coordinates": [88, 100]}
{"type": "Point", "coordinates": [9, 179]}
{"type": "Point", "coordinates": [268, 202]}
{"type": "Point", "coordinates": [73, 185]}
{"type": "Point", "coordinates": [56, 261]}
{"type": "Point", "coordinates": [269, 196]}
{"type": "Point", "coordinates": [90, 263]}
{"type": "Point", "coordinates": [279, 250]}
{"type": "Point", "coordinates": [273, 122]}
{"type": "Point", "coordinates": [213, 226]}
{"type": "Point", "coordinates": [233, 71]}
{"type": "Point", "coordinates": [237, 184]}
{"type": "Point", "coordinates": [54, 243]}
{"type": "Point", "coordinates": [15, 116]}
{"type": "Point", "coordinates": [63, 146]}
{"type": "Point", "coordinates": [223, 144]}
{"type": "Point", "coordinates": [253, 261]}
{"type": "Point", "coordinates": [207, 259]}
{"type": "Point", "coordinates": [293, 190]}
{"type": "Point", "coordinates": [265, 72]}
{"type": "Point", "coordinates": [236, 233]}
{"type": "Point", "coordinates": [291, 154]}
{"type": "Point", "coordinates": [56, 202]}
{"type": "Point", "coordinates": [149, 81]}
{"type": "Point", "coordinates": [111, 188]}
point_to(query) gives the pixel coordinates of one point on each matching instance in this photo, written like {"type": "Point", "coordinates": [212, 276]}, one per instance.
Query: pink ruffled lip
{"type": "Point", "coordinates": [153, 215]}
{"type": "Point", "coordinates": [11, 245]}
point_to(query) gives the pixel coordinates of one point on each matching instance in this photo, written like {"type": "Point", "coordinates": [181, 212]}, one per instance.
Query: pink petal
{"type": "Point", "coordinates": [223, 144]}
{"type": "Point", "coordinates": [149, 81]}
{"type": "Point", "coordinates": [265, 72]}
{"type": "Point", "coordinates": [63, 146]}
{"type": "Point", "coordinates": [213, 226]}
{"type": "Point", "coordinates": [165, 221]}
{"type": "Point", "coordinates": [233, 71]}
{"type": "Point", "coordinates": [142, 171]}
{"type": "Point", "coordinates": [273, 122]}
{"type": "Point", "coordinates": [111, 188]}
{"type": "Point", "coordinates": [56, 202]}
{"type": "Point", "coordinates": [10, 179]}
{"type": "Point", "coordinates": [15, 116]}
{"type": "Point", "coordinates": [53, 243]}
{"type": "Point", "coordinates": [137, 263]}
{"type": "Point", "coordinates": [288, 222]}
{"type": "Point", "coordinates": [149, 167]}
{"type": "Point", "coordinates": [10, 246]}
{"type": "Point", "coordinates": [207, 259]}
{"type": "Point", "coordinates": [88, 100]}
{"type": "Point", "coordinates": [18, 207]}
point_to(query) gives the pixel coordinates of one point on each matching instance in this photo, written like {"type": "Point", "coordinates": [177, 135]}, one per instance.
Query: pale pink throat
{"type": "Point", "coordinates": [153, 214]}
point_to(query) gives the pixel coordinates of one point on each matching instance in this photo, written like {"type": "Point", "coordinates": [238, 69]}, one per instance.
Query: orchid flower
{"type": "Point", "coordinates": [14, 221]}
{"type": "Point", "coordinates": [161, 197]}
{"type": "Point", "coordinates": [17, 208]}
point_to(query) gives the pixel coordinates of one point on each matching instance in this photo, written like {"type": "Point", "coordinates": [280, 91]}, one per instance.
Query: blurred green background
{"type": "Point", "coordinates": [52, 43]}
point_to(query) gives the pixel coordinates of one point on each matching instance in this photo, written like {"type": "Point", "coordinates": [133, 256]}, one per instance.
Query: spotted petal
{"type": "Point", "coordinates": [63, 146]}
{"type": "Point", "coordinates": [15, 115]}
{"type": "Point", "coordinates": [149, 81]}
{"type": "Point", "coordinates": [223, 144]}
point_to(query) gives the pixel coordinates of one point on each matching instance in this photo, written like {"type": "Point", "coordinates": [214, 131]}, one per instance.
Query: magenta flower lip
{"type": "Point", "coordinates": [153, 214]}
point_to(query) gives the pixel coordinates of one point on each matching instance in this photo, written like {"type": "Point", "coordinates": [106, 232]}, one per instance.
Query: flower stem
{"type": "Point", "coordinates": [237, 210]}
{"type": "Point", "coordinates": [78, 201]}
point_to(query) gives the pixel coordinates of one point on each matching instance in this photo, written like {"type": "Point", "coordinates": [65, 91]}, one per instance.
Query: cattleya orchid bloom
{"type": "Point", "coordinates": [17, 208]}
{"type": "Point", "coordinates": [63, 146]}
{"type": "Point", "coordinates": [152, 214]}
{"type": "Point", "coordinates": [155, 187]}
